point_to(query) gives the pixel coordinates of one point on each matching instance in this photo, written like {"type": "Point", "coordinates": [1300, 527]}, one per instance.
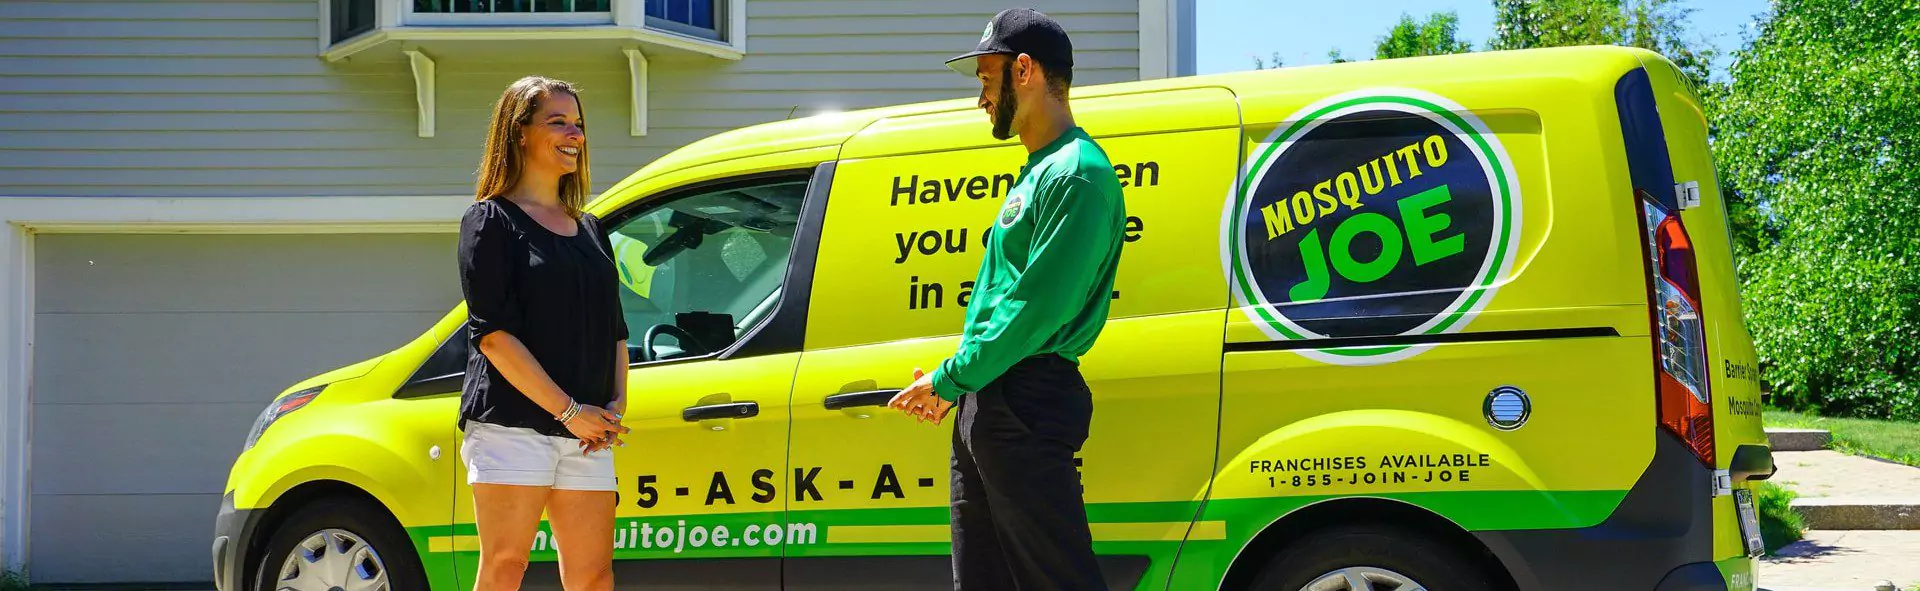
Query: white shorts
{"type": "Point", "coordinates": [496, 454]}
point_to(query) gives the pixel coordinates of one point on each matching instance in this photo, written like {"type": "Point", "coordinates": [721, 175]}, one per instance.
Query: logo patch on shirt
{"type": "Point", "coordinates": [1010, 212]}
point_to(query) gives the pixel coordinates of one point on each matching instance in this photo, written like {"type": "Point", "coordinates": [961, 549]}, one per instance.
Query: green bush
{"type": "Point", "coordinates": [1817, 138]}
{"type": "Point", "coordinates": [1779, 523]}
{"type": "Point", "coordinates": [13, 581]}
{"type": "Point", "coordinates": [1838, 332]}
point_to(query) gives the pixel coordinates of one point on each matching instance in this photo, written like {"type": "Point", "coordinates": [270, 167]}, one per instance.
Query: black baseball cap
{"type": "Point", "coordinates": [1020, 30]}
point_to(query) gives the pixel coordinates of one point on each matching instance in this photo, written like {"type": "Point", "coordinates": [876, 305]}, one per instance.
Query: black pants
{"type": "Point", "coordinates": [1019, 520]}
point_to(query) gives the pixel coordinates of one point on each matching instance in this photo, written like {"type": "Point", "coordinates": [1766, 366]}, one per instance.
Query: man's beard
{"type": "Point", "coordinates": [1004, 108]}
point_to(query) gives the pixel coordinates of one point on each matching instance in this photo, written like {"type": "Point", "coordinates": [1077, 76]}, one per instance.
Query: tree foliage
{"type": "Point", "coordinates": [1818, 138]}
{"type": "Point", "coordinates": [1657, 25]}
{"type": "Point", "coordinates": [1661, 26]}
{"type": "Point", "coordinates": [1260, 64]}
{"type": "Point", "coordinates": [1524, 24]}
{"type": "Point", "coordinates": [1438, 35]}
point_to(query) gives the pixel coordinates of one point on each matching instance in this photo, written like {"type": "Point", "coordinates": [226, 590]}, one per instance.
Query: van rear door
{"type": "Point", "coordinates": [1733, 367]}
{"type": "Point", "coordinates": [1730, 371]}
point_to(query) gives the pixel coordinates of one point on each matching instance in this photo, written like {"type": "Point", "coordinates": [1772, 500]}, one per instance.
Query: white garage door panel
{"type": "Point", "coordinates": [150, 449]}
{"type": "Point", "coordinates": [207, 357]}
{"type": "Point", "coordinates": [152, 356]}
{"type": "Point", "coordinates": [230, 273]}
{"type": "Point", "coordinates": [117, 538]}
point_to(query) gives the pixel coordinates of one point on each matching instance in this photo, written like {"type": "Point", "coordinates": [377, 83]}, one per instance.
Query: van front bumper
{"type": "Point", "coordinates": [233, 531]}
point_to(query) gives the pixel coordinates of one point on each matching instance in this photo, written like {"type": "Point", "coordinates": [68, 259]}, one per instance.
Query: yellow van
{"type": "Point", "coordinates": [1461, 322]}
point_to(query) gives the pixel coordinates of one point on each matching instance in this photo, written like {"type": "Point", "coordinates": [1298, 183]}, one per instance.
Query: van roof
{"type": "Point", "coordinates": [1600, 63]}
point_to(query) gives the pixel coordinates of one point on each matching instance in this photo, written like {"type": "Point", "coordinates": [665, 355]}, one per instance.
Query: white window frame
{"type": "Point", "coordinates": [407, 17]}
{"type": "Point", "coordinates": [1166, 38]}
{"type": "Point", "coordinates": [623, 29]}
{"type": "Point", "coordinates": [723, 23]}
{"type": "Point", "coordinates": [625, 21]}
{"type": "Point", "coordinates": [542, 19]}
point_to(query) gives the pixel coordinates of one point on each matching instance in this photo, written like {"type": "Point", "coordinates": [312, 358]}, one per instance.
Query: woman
{"type": "Point", "coordinates": [546, 381]}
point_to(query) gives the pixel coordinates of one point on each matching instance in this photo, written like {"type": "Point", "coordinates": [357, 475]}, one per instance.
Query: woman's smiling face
{"type": "Point", "coordinates": [553, 139]}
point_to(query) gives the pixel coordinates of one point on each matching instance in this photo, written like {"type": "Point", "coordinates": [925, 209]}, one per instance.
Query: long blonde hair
{"type": "Point", "coordinates": [501, 164]}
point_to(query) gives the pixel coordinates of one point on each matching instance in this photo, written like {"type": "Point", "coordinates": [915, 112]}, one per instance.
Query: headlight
{"type": "Point", "coordinates": [280, 408]}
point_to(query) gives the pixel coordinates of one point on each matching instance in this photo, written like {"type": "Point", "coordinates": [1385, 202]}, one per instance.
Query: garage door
{"type": "Point", "coordinates": [154, 353]}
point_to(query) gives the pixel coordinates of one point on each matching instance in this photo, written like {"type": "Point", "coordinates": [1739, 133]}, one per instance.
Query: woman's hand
{"type": "Point", "coordinates": [597, 428]}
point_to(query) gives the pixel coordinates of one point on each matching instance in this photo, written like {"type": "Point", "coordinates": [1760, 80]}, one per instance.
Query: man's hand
{"type": "Point", "coordinates": [938, 412]}
{"type": "Point", "coordinates": [920, 401]}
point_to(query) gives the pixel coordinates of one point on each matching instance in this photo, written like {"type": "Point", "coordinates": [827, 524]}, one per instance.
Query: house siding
{"type": "Point", "coordinates": [221, 98]}
{"type": "Point", "coordinates": [145, 99]}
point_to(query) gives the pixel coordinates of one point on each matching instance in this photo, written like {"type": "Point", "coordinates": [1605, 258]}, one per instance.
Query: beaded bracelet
{"type": "Point", "coordinates": [573, 409]}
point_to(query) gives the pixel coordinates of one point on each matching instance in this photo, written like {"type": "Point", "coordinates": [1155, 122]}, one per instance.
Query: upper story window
{"type": "Point", "coordinates": [351, 18]}
{"type": "Point", "coordinates": [699, 26]}
{"type": "Point", "coordinates": [699, 18]}
{"type": "Point", "coordinates": [508, 12]}
{"type": "Point", "coordinates": [480, 30]}
{"type": "Point", "coordinates": [495, 6]}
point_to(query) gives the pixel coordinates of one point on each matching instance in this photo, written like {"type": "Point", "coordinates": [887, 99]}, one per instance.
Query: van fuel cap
{"type": "Point", "coordinates": [1507, 408]}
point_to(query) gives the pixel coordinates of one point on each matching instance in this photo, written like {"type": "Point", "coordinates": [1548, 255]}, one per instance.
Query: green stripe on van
{"type": "Point", "coordinates": [1143, 529]}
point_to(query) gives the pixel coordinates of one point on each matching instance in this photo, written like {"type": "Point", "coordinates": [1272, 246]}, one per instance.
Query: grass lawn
{"type": "Point", "coordinates": [1897, 441]}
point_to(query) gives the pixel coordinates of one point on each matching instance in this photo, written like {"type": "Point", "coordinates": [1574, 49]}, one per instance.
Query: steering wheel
{"type": "Point", "coordinates": [687, 342]}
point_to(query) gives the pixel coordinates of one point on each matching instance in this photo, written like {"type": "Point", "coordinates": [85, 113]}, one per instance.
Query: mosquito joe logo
{"type": "Point", "coordinates": [1010, 212]}
{"type": "Point", "coordinates": [1372, 214]}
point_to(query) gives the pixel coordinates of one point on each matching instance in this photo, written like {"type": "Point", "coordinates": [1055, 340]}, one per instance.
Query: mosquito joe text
{"type": "Point", "coordinates": [1354, 470]}
{"type": "Point", "coordinates": [1390, 215]}
{"type": "Point", "coordinates": [913, 190]}
{"type": "Point", "coordinates": [1426, 234]}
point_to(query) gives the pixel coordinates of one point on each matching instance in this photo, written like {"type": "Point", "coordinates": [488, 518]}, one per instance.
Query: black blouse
{"type": "Point", "coordinates": [557, 294]}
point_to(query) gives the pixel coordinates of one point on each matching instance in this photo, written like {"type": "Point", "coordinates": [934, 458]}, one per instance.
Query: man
{"type": "Point", "coordinates": [1039, 301]}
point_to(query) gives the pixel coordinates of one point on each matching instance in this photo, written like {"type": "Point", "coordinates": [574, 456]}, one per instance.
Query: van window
{"type": "Point", "coordinates": [700, 271]}
{"type": "Point", "coordinates": [442, 372]}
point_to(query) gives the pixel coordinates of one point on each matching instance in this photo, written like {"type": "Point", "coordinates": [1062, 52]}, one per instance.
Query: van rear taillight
{"type": "Point", "coordinates": [1680, 353]}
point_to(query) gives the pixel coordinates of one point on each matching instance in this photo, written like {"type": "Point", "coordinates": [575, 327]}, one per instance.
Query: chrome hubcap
{"type": "Point", "coordinates": [1363, 578]}
{"type": "Point", "coordinates": [333, 560]}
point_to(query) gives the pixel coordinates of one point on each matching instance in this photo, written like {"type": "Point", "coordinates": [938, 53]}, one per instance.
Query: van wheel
{"type": "Point", "coordinates": [340, 544]}
{"type": "Point", "coordinates": [1370, 558]}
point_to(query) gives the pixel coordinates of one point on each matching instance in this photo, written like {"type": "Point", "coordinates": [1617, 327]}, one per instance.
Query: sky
{"type": "Point", "coordinates": [1231, 32]}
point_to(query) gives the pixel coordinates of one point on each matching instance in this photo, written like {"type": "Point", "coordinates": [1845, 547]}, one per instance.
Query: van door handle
{"type": "Point", "coordinates": [857, 399]}
{"type": "Point", "coordinates": [731, 410]}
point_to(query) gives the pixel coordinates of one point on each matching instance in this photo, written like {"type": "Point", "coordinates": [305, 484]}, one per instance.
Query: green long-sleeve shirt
{"type": "Point", "coordinates": [1047, 278]}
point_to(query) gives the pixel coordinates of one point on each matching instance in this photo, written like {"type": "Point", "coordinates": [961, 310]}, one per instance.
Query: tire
{"type": "Point", "coordinates": [1381, 555]}
{"type": "Point", "coordinates": [369, 537]}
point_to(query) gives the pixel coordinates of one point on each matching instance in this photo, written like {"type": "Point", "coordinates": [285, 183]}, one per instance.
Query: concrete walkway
{"type": "Point", "coordinates": [1845, 560]}
{"type": "Point", "coordinates": [1831, 474]}
{"type": "Point", "coordinates": [1843, 492]}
